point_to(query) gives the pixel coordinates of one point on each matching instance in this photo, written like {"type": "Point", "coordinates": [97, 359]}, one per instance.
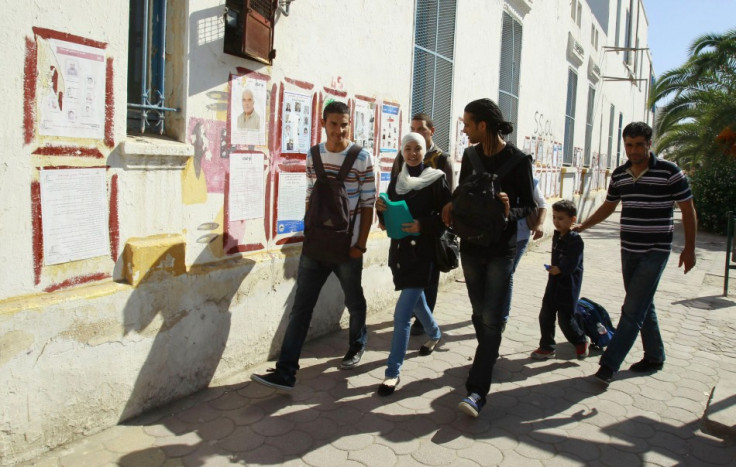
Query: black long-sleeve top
{"type": "Point", "coordinates": [518, 184]}
{"type": "Point", "coordinates": [567, 254]}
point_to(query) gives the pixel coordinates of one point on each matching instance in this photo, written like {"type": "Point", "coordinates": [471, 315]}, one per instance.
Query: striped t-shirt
{"type": "Point", "coordinates": [360, 183]}
{"type": "Point", "coordinates": [647, 204]}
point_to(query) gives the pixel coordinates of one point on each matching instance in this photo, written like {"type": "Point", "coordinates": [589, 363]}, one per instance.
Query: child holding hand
{"type": "Point", "coordinates": [563, 285]}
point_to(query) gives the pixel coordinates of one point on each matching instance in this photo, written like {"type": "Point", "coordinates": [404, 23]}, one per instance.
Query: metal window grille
{"type": "Point", "coordinates": [510, 67]}
{"type": "Point", "coordinates": [620, 137]}
{"type": "Point", "coordinates": [589, 126]}
{"type": "Point", "coordinates": [147, 66]}
{"type": "Point", "coordinates": [627, 37]}
{"type": "Point", "coordinates": [572, 89]}
{"type": "Point", "coordinates": [434, 49]}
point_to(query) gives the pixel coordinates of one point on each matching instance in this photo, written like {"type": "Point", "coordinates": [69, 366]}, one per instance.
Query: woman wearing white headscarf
{"type": "Point", "coordinates": [412, 258]}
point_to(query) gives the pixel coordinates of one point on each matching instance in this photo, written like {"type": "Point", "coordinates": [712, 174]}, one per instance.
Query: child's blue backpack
{"type": "Point", "coordinates": [595, 322]}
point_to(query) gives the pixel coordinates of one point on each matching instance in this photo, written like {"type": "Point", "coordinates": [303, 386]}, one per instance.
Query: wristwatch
{"type": "Point", "coordinates": [360, 248]}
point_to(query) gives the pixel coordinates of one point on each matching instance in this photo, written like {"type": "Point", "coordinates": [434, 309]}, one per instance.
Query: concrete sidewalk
{"type": "Point", "coordinates": [538, 413]}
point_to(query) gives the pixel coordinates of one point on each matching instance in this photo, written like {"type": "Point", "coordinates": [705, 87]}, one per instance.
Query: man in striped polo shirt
{"type": "Point", "coordinates": [648, 187]}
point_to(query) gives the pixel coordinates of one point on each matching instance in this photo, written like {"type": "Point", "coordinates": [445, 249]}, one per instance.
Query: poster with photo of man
{"type": "Point", "coordinates": [364, 124]}
{"type": "Point", "coordinates": [247, 111]}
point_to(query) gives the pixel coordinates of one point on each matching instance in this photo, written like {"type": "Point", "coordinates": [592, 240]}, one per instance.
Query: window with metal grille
{"type": "Point", "coordinates": [610, 136]}
{"type": "Point", "coordinates": [589, 126]}
{"type": "Point", "coordinates": [572, 89]}
{"type": "Point", "coordinates": [508, 88]}
{"type": "Point", "coordinates": [434, 50]}
{"type": "Point", "coordinates": [147, 67]}
{"type": "Point", "coordinates": [627, 38]}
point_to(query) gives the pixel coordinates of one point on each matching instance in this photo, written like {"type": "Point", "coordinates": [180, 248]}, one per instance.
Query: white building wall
{"type": "Point", "coordinates": [80, 349]}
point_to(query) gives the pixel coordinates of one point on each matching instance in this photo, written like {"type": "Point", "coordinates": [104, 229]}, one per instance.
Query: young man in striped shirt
{"type": "Point", "coordinates": [360, 186]}
{"type": "Point", "coordinates": [648, 187]}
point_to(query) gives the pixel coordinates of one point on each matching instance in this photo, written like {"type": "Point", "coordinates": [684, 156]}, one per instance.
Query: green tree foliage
{"type": "Point", "coordinates": [714, 190]}
{"type": "Point", "coordinates": [698, 104]}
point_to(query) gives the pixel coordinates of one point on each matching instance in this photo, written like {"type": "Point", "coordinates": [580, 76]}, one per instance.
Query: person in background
{"type": "Point", "coordinates": [523, 234]}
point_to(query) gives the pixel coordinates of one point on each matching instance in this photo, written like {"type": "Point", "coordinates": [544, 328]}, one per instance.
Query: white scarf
{"type": "Point", "coordinates": [406, 183]}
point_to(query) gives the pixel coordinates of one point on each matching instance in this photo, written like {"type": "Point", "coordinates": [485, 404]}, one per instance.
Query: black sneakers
{"type": "Point", "coordinates": [273, 380]}
{"type": "Point", "coordinates": [604, 375]}
{"type": "Point", "coordinates": [645, 366]}
{"type": "Point", "coordinates": [351, 359]}
{"type": "Point", "coordinates": [429, 346]}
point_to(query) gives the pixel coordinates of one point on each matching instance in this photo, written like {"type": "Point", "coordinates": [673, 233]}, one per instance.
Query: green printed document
{"type": "Point", "coordinates": [396, 214]}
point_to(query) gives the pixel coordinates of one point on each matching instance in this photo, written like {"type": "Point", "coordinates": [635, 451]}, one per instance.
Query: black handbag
{"type": "Point", "coordinates": [447, 251]}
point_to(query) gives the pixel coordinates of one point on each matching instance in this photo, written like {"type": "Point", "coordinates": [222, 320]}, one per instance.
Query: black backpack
{"type": "Point", "coordinates": [328, 226]}
{"type": "Point", "coordinates": [477, 215]}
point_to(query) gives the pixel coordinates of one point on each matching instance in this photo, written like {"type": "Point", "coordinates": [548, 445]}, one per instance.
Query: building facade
{"type": "Point", "coordinates": [153, 169]}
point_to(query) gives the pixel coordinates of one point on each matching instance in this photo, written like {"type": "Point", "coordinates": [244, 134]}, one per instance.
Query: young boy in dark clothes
{"type": "Point", "coordinates": [563, 286]}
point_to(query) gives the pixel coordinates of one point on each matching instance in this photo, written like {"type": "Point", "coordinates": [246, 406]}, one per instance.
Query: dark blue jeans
{"type": "Point", "coordinates": [487, 280]}
{"type": "Point", "coordinates": [310, 278]}
{"type": "Point", "coordinates": [641, 272]}
{"type": "Point", "coordinates": [520, 249]}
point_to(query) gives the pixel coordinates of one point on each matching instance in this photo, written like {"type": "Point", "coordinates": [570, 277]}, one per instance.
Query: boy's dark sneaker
{"type": "Point", "coordinates": [416, 329]}
{"type": "Point", "coordinates": [543, 354]}
{"type": "Point", "coordinates": [604, 375]}
{"type": "Point", "coordinates": [645, 365]}
{"type": "Point", "coordinates": [351, 359]}
{"type": "Point", "coordinates": [273, 380]}
{"type": "Point", "coordinates": [582, 350]}
{"type": "Point", "coordinates": [471, 405]}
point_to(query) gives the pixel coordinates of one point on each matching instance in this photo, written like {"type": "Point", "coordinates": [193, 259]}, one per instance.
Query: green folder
{"type": "Point", "coordinates": [396, 214]}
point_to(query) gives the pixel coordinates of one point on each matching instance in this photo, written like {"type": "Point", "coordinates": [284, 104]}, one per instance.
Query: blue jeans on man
{"type": "Point", "coordinates": [641, 273]}
{"type": "Point", "coordinates": [520, 249]}
{"type": "Point", "coordinates": [487, 280]}
{"type": "Point", "coordinates": [310, 279]}
{"type": "Point", "coordinates": [411, 300]}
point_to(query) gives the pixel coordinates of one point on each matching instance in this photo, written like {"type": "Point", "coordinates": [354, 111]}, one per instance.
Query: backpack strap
{"type": "Point", "coordinates": [319, 169]}
{"type": "Point", "coordinates": [350, 159]}
{"type": "Point", "coordinates": [475, 160]}
{"type": "Point", "coordinates": [347, 164]}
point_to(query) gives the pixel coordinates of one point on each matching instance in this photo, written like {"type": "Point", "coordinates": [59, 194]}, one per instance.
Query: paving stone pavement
{"type": "Point", "coordinates": [538, 413]}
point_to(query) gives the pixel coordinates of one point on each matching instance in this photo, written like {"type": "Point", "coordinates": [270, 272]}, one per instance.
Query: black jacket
{"type": "Point", "coordinates": [518, 184]}
{"type": "Point", "coordinates": [567, 254]}
{"type": "Point", "coordinates": [412, 258]}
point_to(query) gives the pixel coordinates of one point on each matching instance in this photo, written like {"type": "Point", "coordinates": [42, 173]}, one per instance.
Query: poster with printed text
{"type": "Point", "coordinates": [246, 192]}
{"type": "Point", "coordinates": [71, 90]}
{"type": "Point", "coordinates": [365, 124]}
{"type": "Point", "coordinates": [461, 140]}
{"type": "Point", "coordinates": [74, 214]}
{"type": "Point", "coordinates": [247, 111]}
{"type": "Point", "coordinates": [291, 202]}
{"type": "Point", "coordinates": [389, 128]}
{"type": "Point", "coordinates": [296, 118]}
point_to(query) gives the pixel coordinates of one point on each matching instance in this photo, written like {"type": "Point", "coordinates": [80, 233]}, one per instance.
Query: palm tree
{"type": "Point", "coordinates": [698, 102]}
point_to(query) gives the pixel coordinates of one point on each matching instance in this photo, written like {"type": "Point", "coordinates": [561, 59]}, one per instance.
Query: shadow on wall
{"type": "Point", "coordinates": [189, 318]}
{"type": "Point", "coordinates": [206, 44]}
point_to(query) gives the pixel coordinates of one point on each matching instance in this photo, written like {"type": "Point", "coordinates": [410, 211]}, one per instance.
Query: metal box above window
{"type": "Point", "coordinates": [249, 29]}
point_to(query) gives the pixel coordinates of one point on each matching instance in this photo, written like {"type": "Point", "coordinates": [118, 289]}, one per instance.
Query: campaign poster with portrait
{"type": "Point", "coordinates": [365, 124]}
{"type": "Point", "coordinates": [72, 90]}
{"type": "Point", "coordinates": [296, 120]}
{"type": "Point", "coordinates": [247, 111]}
{"type": "Point", "coordinates": [389, 128]}
{"type": "Point", "coordinates": [461, 140]}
